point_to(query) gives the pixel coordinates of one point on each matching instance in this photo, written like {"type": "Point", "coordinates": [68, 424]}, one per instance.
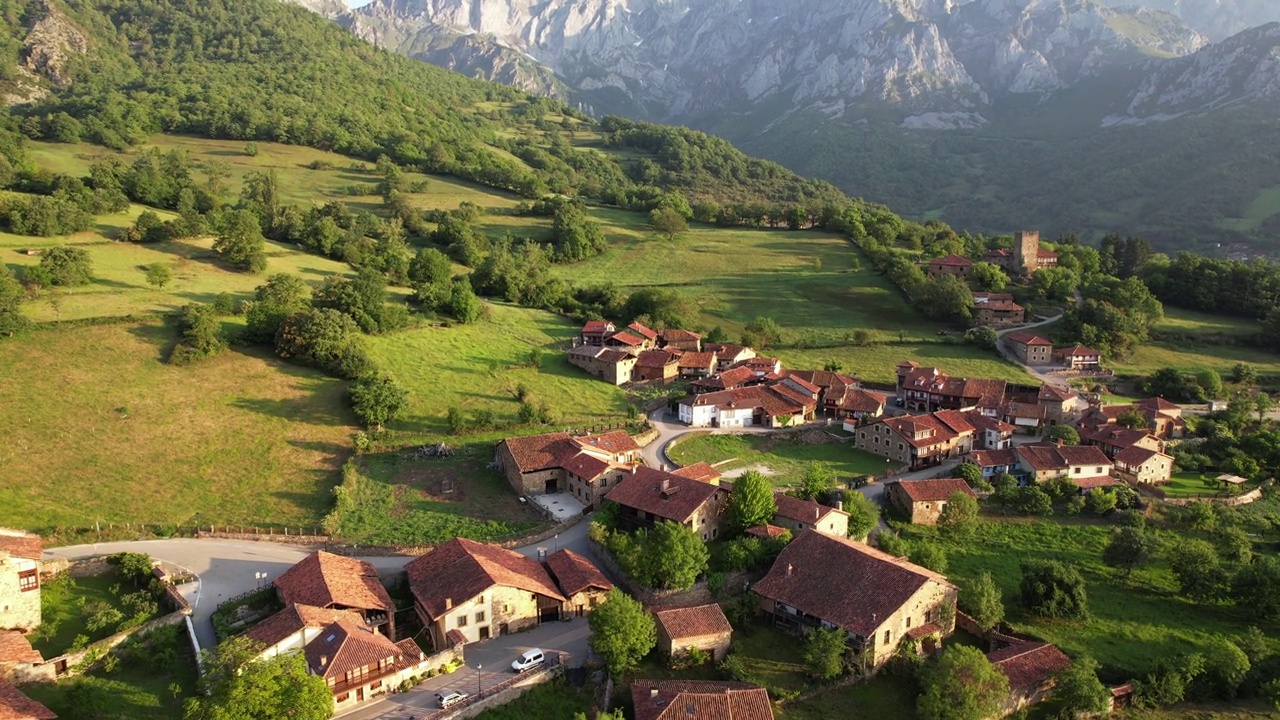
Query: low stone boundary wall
{"type": "Point", "coordinates": [504, 692]}
{"type": "Point", "coordinates": [1252, 496]}
{"type": "Point", "coordinates": [73, 663]}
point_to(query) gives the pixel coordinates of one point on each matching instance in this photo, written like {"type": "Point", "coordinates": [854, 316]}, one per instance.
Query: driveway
{"type": "Point", "coordinates": [1036, 372]}
{"type": "Point", "coordinates": [494, 657]}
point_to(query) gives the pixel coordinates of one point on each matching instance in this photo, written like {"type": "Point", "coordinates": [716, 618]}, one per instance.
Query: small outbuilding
{"type": "Point", "coordinates": [703, 627]}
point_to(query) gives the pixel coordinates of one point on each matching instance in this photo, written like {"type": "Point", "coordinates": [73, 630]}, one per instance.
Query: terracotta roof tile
{"type": "Point", "coordinates": [1054, 394]}
{"type": "Point", "coordinates": [768, 532]}
{"type": "Point", "coordinates": [643, 331]}
{"type": "Point", "coordinates": [1133, 456]}
{"type": "Point", "coordinates": [956, 420]}
{"type": "Point", "coordinates": [1117, 436]}
{"type": "Point", "coordinates": [697, 360]}
{"type": "Point", "coordinates": [536, 452]}
{"type": "Point", "coordinates": [642, 490]}
{"type": "Point", "coordinates": [294, 618]}
{"type": "Point", "coordinates": [657, 359]}
{"type": "Point", "coordinates": [1023, 337]}
{"type": "Point", "coordinates": [698, 471]}
{"type": "Point", "coordinates": [324, 579]}
{"type": "Point", "coordinates": [16, 706]}
{"type": "Point", "coordinates": [15, 648]}
{"type": "Point", "coordinates": [626, 338]}
{"type": "Point", "coordinates": [984, 422]}
{"type": "Point", "coordinates": [1029, 664]}
{"type": "Point", "coordinates": [1156, 403]}
{"type": "Point", "coordinates": [699, 700]}
{"type": "Point", "coordinates": [1043, 457]}
{"type": "Point", "coordinates": [802, 511]}
{"type": "Point", "coordinates": [1076, 351]}
{"type": "Point", "coordinates": [952, 260]}
{"type": "Point", "coordinates": [858, 400]}
{"type": "Point", "coordinates": [597, 326]}
{"type": "Point", "coordinates": [574, 573]}
{"type": "Point", "coordinates": [677, 335]}
{"type": "Point", "coordinates": [934, 490]}
{"type": "Point", "coordinates": [1089, 483]}
{"type": "Point", "coordinates": [869, 586]}
{"type": "Point", "coordinates": [344, 646]}
{"type": "Point", "coordinates": [727, 380]}
{"type": "Point", "coordinates": [21, 544]}
{"type": "Point", "coordinates": [692, 621]}
{"type": "Point", "coordinates": [994, 458]}
{"type": "Point", "coordinates": [728, 351]}
{"type": "Point", "coordinates": [461, 569]}
{"type": "Point", "coordinates": [586, 466]}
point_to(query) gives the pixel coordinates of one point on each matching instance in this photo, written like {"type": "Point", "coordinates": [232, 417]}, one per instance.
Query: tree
{"type": "Point", "coordinates": [668, 223]}
{"type": "Point", "coordinates": [1200, 574]}
{"type": "Point", "coordinates": [1244, 374]}
{"type": "Point", "coordinates": [1227, 666]}
{"type": "Point", "coordinates": [1132, 419]}
{"type": "Point", "coordinates": [962, 685]}
{"type": "Point", "coordinates": [947, 297]}
{"type": "Point", "coordinates": [377, 400]}
{"type": "Point", "coordinates": [1210, 382]}
{"type": "Point", "coordinates": [201, 335]}
{"type": "Point", "coordinates": [761, 333]}
{"type": "Point", "coordinates": [1053, 590]}
{"type": "Point", "coordinates": [1233, 544]}
{"type": "Point", "coordinates": [1263, 404]}
{"type": "Point", "coordinates": [323, 338]}
{"type": "Point", "coordinates": [960, 513]}
{"type": "Point", "coordinates": [279, 297]}
{"type": "Point", "coordinates": [824, 651]}
{"type": "Point", "coordinates": [66, 266]}
{"type": "Point", "coordinates": [1128, 548]}
{"type": "Point", "coordinates": [817, 480]}
{"type": "Point", "coordinates": [892, 543]}
{"type": "Point", "coordinates": [988, 276]}
{"type": "Point", "coordinates": [673, 556]}
{"type": "Point", "coordinates": [971, 474]}
{"type": "Point", "coordinates": [1257, 587]}
{"type": "Point", "coordinates": [1064, 433]}
{"type": "Point", "coordinates": [864, 515]}
{"type": "Point", "coordinates": [752, 502]}
{"type": "Point", "coordinates": [622, 632]}
{"type": "Point", "coordinates": [463, 303]}
{"type": "Point", "coordinates": [929, 555]}
{"type": "Point", "coordinates": [1100, 501]}
{"type": "Point", "coordinates": [983, 602]}
{"type": "Point", "coordinates": [239, 687]}
{"type": "Point", "coordinates": [1079, 691]}
{"type": "Point", "coordinates": [11, 318]}
{"type": "Point", "coordinates": [158, 274]}
{"type": "Point", "coordinates": [240, 242]}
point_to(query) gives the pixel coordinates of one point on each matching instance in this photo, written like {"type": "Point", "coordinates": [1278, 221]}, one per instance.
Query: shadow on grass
{"type": "Point", "coordinates": [160, 335]}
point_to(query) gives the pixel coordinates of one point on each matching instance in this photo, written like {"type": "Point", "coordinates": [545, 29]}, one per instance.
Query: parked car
{"type": "Point", "coordinates": [529, 660]}
{"type": "Point", "coordinates": [450, 698]}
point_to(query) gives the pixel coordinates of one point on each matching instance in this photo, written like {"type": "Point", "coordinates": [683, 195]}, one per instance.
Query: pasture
{"type": "Point", "coordinates": [786, 459]}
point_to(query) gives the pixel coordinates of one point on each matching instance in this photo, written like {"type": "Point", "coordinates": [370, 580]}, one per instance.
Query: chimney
{"type": "Point", "coordinates": [634, 468]}
{"type": "Point", "coordinates": [790, 569]}
{"type": "Point", "coordinates": [324, 661]}
{"type": "Point", "coordinates": [817, 513]}
{"type": "Point", "coordinates": [840, 505]}
{"type": "Point", "coordinates": [653, 693]}
{"type": "Point", "coordinates": [448, 603]}
{"type": "Point", "coordinates": [666, 484]}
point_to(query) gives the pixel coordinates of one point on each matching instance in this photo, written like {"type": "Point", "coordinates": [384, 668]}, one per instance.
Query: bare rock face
{"type": "Point", "coordinates": [50, 46]}
{"type": "Point", "coordinates": [1216, 19]}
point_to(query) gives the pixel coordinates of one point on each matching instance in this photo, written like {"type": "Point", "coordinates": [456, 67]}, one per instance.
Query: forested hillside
{"type": "Point", "coordinates": [260, 70]}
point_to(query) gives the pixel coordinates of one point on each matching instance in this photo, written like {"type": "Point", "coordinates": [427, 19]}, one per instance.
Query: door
{"type": "Point", "coordinates": [503, 629]}
{"type": "Point", "coordinates": [484, 633]}
{"type": "Point", "coordinates": [360, 694]}
{"type": "Point", "coordinates": [551, 486]}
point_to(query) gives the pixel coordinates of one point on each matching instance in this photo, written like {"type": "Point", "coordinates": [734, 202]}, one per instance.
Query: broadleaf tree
{"type": "Point", "coordinates": [622, 632]}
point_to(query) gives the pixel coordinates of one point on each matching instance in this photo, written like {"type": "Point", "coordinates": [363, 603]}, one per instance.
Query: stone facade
{"type": "Point", "coordinates": [19, 593]}
{"type": "Point", "coordinates": [715, 645]}
{"type": "Point", "coordinates": [497, 611]}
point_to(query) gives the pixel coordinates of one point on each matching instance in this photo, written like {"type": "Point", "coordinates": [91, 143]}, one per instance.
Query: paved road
{"type": "Point", "coordinates": [1036, 372]}
{"type": "Point", "coordinates": [494, 657]}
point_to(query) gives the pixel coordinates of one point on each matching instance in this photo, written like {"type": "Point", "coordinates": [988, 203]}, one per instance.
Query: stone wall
{"type": "Point", "coordinates": [1252, 496]}
{"type": "Point", "coordinates": [19, 609]}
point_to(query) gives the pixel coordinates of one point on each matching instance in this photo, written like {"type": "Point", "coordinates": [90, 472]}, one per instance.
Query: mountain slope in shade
{"type": "Point", "coordinates": [1216, 19]}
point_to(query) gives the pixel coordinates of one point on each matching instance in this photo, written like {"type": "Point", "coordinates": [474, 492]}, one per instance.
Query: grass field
{"type": "Point", "coordinates": [787, 459]}
{"type": "Point", "coordinates": [62, 614]}
{"type": "Point", "coordinates": [1132, 621]}
{"type": "Point", "coordinates": [115, 435]}
{"type": "Point", "coordinates": [1189, 357]}
{"type": "Point", "coordinates": [481, 366]}
{"type": "Point", "coordinates": [1190, 322]}
{"type": "Point", "coordinates": [553, 700]}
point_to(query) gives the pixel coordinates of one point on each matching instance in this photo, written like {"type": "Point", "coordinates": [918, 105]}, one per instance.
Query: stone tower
{"type": "Point", "coordinates": [1026, 251]}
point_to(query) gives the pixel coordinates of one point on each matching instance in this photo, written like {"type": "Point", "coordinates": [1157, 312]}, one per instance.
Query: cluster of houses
{"type": "Point", "coordinates": [995, 309]}
{"type": "Point", "coordinates": [637, 353]}
{"type": "Point", "coordinates": [1037, 351]}
{"type": "Point", "coordinates": [20, 554]}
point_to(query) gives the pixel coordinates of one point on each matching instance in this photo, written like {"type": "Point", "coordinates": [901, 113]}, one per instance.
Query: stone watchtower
{"type": "Point", "coordinates": [1026, 251]}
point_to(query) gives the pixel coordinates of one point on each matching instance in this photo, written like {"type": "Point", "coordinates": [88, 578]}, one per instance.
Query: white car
{"type": "Point", "coordinates": [529, 660]}
{"type": "Point", "coordinates": [451, 698]}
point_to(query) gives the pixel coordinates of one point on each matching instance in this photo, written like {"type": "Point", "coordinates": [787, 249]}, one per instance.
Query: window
{"type": "Point", "coordinates": [887, 635]}
{"type": "Point", "coordinates": [462, 621]}
{"type": "Point", "coordinates": [908, 621]}
{"type": "Point", "coordinates": [480, 616]}
{"type": "Point", "coordinates": [375, 684]}
{"type": "Point", "coordinates": [1098, 470]}
{"type": "Point", "coordinates": [29, 580]}
{"type": "Point", "coordinates": [506, 608]}
{"type": "Point", "coordinates": [1075, 471]}
{"type": "Point", "coordinates": [343, 697]}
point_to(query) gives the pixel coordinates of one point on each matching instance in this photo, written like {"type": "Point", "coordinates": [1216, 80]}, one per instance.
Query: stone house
{"type": "Point", "coordinates": [650, 336]}
{"type": "Point", "coordinates": [728, 354]}
{"type": "Point", "coordinates": [1078, 357]}
{"type": "Point", "coordinates": [20, 554]}
{"type": "Point", "coordinates": [859, 406]}
{"type": "Point", "coordinates": [917, 441]}
{"type": "Point", "coordinates": [20, 663]}
{"type": "Point", "coordinates": [15, 705]}
{"type": "Point", "coordinates": [478, 591]}
{"type": "Point", "coordinates": [1060, 405]}
{"type": "Point", "coordinates": [1112, 439]}
{"type": "Point", "coordinates": [695, 365]}
{"type": "Point", "coordinates": [628, 342]}
{"type": "Point", "coordinates": [1143, 466]}
{"type": "Point", "coordinates": [1030, 348]}
{"type": "Point", "coordinates": [990, 433]}
{"type": "Point", "coordinates": [581, 582]}
{"type": "Point", "coordinates": [684, 340]}
{"type": "Point", "coordinates": [704, 627]}
{"type": "Point", "coordinates": [1040, 462]}
{"type": "Point", "coordinates": [923, 500]}
{"type": "Point", "coordinates": [950, 265]}
{"type": "Point", "coordinates": [360, 664]}
{"type": "Point", "coordinates": [587, 466]}
{"type": "Point", "coordinates": [336, 582]}
{"type": "Point", "coordinates": [1032, 668]}
{"type": "Point", "coordinates": [1164, 419]}
{"type": "Point", "coordinates": [834, 389]}
{"type": "Point", "coordinates": [293, 627]}
{"type": "Point", "coordinates": [875, 598]}
{"type": "Point", "coordinates": [730, 379]}
{"type": "Point", "coordinates": [995, 462]}
{"type": "Point", "coordinates": [996, 310]}
{"type": "Point", "coordinates": [925, 389]}
{"type": "Point", "coordinates": [649, 496]}
{"type": "Point", "coordinates": [798, 515]}
{"type": "Point", "coordinates": [778, 404]}
{"type": "Point", "coordinates": [699, 700]}
{"type": "Point", "coordinates": [594, 332]}
{"type": "Point", "coordinates": [1026, 257]}
{"type": "Point", "coordinates": [656, 366]}
{"type": "Point", "coordinates": [614, 366]}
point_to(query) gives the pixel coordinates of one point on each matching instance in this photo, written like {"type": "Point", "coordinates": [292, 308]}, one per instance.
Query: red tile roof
{"type": "Point", "coordinates": [15, 648]}
{"type": "Point", "coordinates": [677, 335]}
{"type": "Point", "coordinates": [727, 380]}
{"type": "Point", "coordinates": [626, 338]}
{"type": "Point", "coordinates": [771, 400]}
{"type": "Point", "coordinates": [957, 421]}
{"type": "Point", "coordinates": [843, 582]}
{"type": "Point", "coordinates": [698, 471]}
{"type": "Point", "coordinates": [699, 700]}
{"type": "Point", "coordinates": [596, 327]}
{"type": "Point", "coordinates": [461, 569]}
{"type": "Point", "coordinates": [984, 422]}
{"type": "Point", "coordinates": [643, 490]}
{"type": "Point", "coordinates": [1029, 664]}
{"type": "Point", "coordinates": [574, 573]}
{"type": "Point", "coordinates": [825, 379]}
{"type": "Point", "coordinates": [767, 532]}
{"type": "Point", "coordinates": [801, 511]}
{"type": "Point", "coordinates": [859, 400]}
{"type": "Point", "coordinates": [1076, 351]}
{"type": "Point", "coordinates": [1117, 436]}
{"type": "Point", "coordinates": [21, 544]}
{"type": "Point", "coordinates": [643, 330]}
{"type": "Point", "coordinates": [994, 458]}
{"type": "Point", "coordinates": [657, 359]}
{"type": "Point", "coordinates": [1041, 252]}
{"type": "Point", "coordinates": [1133, 456]}
{"type": "Point", "coordinates": [1089, 483]}
{"type": "Point", "coordinates": [555, 450]}
{"type": "Point", "coordinates": [952, 260]}
{"type": "Point", "coordinates": [933, 431]}
{"type": "Point", "coordinates": [294, 618]}
{"type": "Point", "coordinates": [588, 467]}
{"type": "Point", "coordinates": [1156, 403]}
{"type": "Point", "coordinates": [1022, 337]}
{"type": "Point", "coordinates": [1041, 456]}
{"type": "Point", "coordinates": [16, 706]}
{"type": "Point", "coordinates": [692, 621]}
{"type": "Point", "coordinates": [324, 579]}
{"type": "Point", "coordinates": [698, 360]}
{"type": "Point", "coordinates": [934, 490]}
{"type": "Point", "coordinates": [803, 384]}
{"type": "Point", "coordinates": [727, 351]}
{"type": "Point", "coordinates": [344, 646]}
{"type": "Point", "coordinates": [1054, 394]}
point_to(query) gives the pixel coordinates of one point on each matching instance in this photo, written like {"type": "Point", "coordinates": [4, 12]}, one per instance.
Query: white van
{"type": "Point", "coordinates": [529, 660]}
